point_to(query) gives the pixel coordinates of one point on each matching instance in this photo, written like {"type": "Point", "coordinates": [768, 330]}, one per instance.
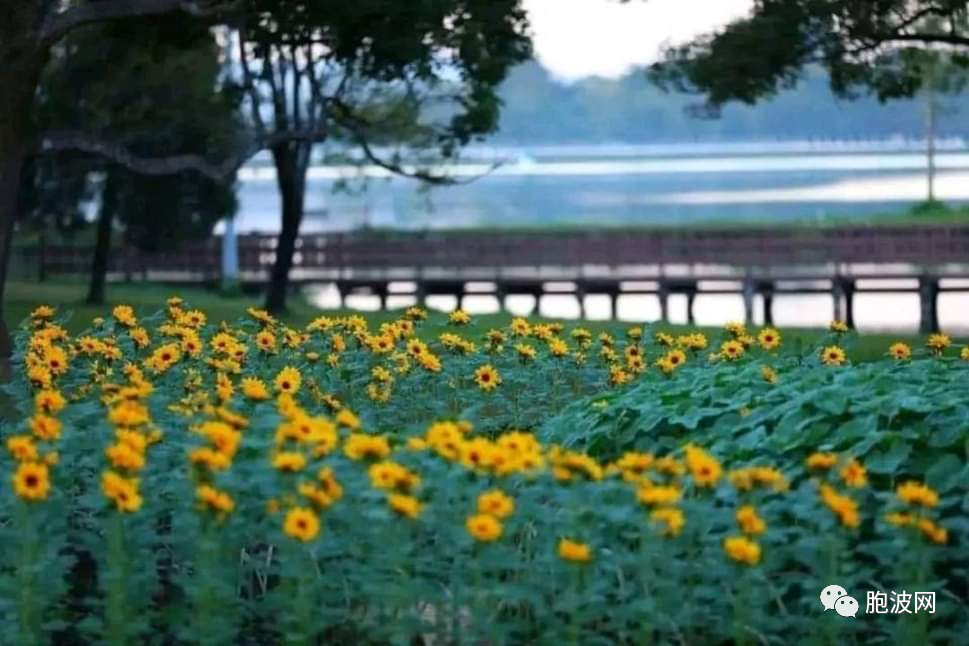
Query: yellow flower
{"type": "Point", "coordinates": [937, 343]}
{"type": "Point", "coordinates": [841, 506]}
{"type": "Point", "coordinates": [932, 531]}
{"type": "Point", "coordinates": [405, 505]}
{"type": "Point", "coordinates": [965, 353]}
{"type": "Point", "coordinates": [484, 527]}
{"type": "Point", "coordinates": [122, 491]}
{"type": "Point", "coordinates": [838, 326]}
{"type": "Point", "coordinates": [266, 340]}
{"type": "Point", "coordinates": [125, 315]}
{"type": "Point", "coordinates": [49, 401]}
{"type": "Point", "coordinates": [487, 377]}
{"type": "Point", "coordinates": [853, 474]}
{"type": "Point", "coordinates": [31, 481]}
{"type": "Point", "coordinates": [650, 494]}
{"type": "Point", "coordinates": [43, 312]}
{"type": "Point", "coordinates": [302, 523]}
{"type": "Point", "coordinates": [22, 448]}
{"type": "Point", "coordinates": [704, 468]}
{"type": "Point", "coordinates": [210, 497]}
{"type": "Point", "coordinates": [459, 317]}
{"type": "Point", "coordinates": [821, 461]}
{"type": "Point", "coordinates": [360, 446]}
{"type": "Point", "coordinates": [289, 461]}
{"type": "Point", "coordinates": [288, 380]}
{"type": "Point", "coordinates": [671, 517]}
{"type": "Point", "coordinates": [731, 350]}
{"type": "Point", "coordinates": [497, 503]}
{"type": "Point", "coordinates": [900, 519]}
{"type": "Point", "coordinates": [520, 327]}
{"type": "Point", "coordinates": [122, 456]}
{"type": "Point", "coordinates": [901, 351]}
{"type": "Point", "coordinates": [768, 374]}
{"type": "Point", "coordinates": [391, 475]}
{"type": "Point", "coordinates": [833, 356]}
{"type": "Point", "coordinates": [574, 551]}
{"type": "Point", "coordinates": [749, 521]}
{"type": "Point", "coordinates": [769, 338]}
{"type": "Point", "coordinates": [210, 458]}
{"type": "Point", "coordinates": [742, 550]}
{"type": "Point", "coordinates": [45, 427]}
{"type": "Point", "coordinates": [913, 492]}
{"type": "Point", "coordinates": [254, 388]}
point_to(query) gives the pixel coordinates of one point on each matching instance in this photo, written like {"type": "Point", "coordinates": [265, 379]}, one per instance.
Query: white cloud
{"type": "Point", "coordinates": [577, 38]}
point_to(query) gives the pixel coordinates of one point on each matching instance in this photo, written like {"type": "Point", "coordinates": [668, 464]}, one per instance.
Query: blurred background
{"type": "Point", "coordinates": [769, 160]}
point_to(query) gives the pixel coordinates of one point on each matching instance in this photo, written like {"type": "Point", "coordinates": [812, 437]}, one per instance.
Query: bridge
{"type": "Point", "coordinates": [750, 262]}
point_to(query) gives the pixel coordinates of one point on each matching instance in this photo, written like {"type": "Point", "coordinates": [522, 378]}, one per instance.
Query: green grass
{"type": "Point", "coordinates": [68, 297]}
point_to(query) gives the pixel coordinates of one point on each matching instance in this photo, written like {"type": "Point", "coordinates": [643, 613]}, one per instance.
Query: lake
{"type": "Point", "coordinates": [625, 185]}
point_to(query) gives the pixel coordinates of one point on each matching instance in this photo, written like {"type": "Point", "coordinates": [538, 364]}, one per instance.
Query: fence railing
{"type": "Point", "coordinates": [350, 253]}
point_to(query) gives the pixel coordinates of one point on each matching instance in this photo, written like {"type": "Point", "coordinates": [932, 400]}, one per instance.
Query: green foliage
{"type": "Point", "coordinates": [157, 89]}
{"type": "Point", "coordinates": [872, 47]}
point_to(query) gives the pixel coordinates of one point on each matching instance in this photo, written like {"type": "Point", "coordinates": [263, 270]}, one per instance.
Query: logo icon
{"type": "Point", "coordinates": [835, 597]}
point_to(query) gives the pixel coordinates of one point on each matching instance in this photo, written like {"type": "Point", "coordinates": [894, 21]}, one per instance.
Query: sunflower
{"type": "Point", "coordinates": [749, 521]}
{"type": "Point", "coordinates": [487, 377]}
{"type": "Point", "coordinates": [22, 448]}
{"type": "Point", "coordinates": [405, 505]}
{"type": "Point", "coordinates": [671, 517]}
{"type": "Point", "coordinates": [853, 474]}
{"type": "Point", "coordinates": [459, 317]}
{"type": "Point", "coordinates": [742, 550]}
{"type": "Point", "coordinates": [913, 492]}
{"type": "Point", "coordinates": [125, 315]}
{"type": "Point", "coordinates": [497, 503]}
{"type": "Point", "coordinates": [901, 351]}
{"type": "Point", "coordinates": [288, 380]}
{"type": "Point", "coordinates": [732, 350]}
{"type": "Point", "coordinates": [520, 327]}
{"type": "Point", "coordinates": [483, 527]}
{"type": "Point", "coordinates": [302, 523]}
{"type": "Point", "coordinates": [704, 468]}
{"type": "Point", "coordinates": [821, 461]}
{"type": "Point", "coordinates": [43, 312]}
{"type": "Point", "coordinates": [837, 326]}
{"type": "Point", "coordinates": [833, 356]}
{"type": "Point", "coordinates": [574, 551]}
{"type": "Point", "coordinates": [937, 343]}
{"type": "Point", "coordinates": [769, 338]}
{"type": "Point", "coordinates": [254, 388]}
{"type": "Point", "coordinates": [266, 340]}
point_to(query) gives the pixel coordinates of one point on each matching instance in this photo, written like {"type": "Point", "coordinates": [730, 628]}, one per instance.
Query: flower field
{"type": "Point", "coordinates": [175, 480]}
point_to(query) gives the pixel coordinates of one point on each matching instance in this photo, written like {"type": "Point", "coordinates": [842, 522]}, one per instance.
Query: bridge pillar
{"type": "Point", "coordinates": [769, 306]}
{"type": "Point", "coordinates": [580, 296]}
{"type": "Point", "coordinates": [928, 301]}
{"type": "Point", "coordinates": [748, 295]}
{"type": "Point", "coordinates": [663, 294]}
{"type": "Point", "coordinates": [849, 293]}
{"type": "Point", "coordinates": [690, 301]}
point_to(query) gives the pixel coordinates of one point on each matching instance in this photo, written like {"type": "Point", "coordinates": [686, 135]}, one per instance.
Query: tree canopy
{"type": "Point", "coordinates": [873, 46]}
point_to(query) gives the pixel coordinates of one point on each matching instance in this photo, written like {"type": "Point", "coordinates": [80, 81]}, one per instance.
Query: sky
{"type": "Point", "coordinates": [578, 38]}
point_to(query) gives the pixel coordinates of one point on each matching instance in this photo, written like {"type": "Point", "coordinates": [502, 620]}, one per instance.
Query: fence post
{"type": "Point", "coordinates": [928, 300]}
{"type": "Point", "coordinates": [230, 256]}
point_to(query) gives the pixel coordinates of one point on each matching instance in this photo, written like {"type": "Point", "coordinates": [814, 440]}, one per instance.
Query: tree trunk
{"type": "Point", "coordinates": [102, 245]}
{"type": "Point", "coordinates": [291, 162]}
{"type": "Point", "coordinates": [21, 62]}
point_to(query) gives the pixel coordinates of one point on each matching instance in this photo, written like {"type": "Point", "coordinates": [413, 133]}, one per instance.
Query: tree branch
{"type": "Point", "coordinates": [219, 171]}
{"type": "Point", "coordinates": [57, 25]}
